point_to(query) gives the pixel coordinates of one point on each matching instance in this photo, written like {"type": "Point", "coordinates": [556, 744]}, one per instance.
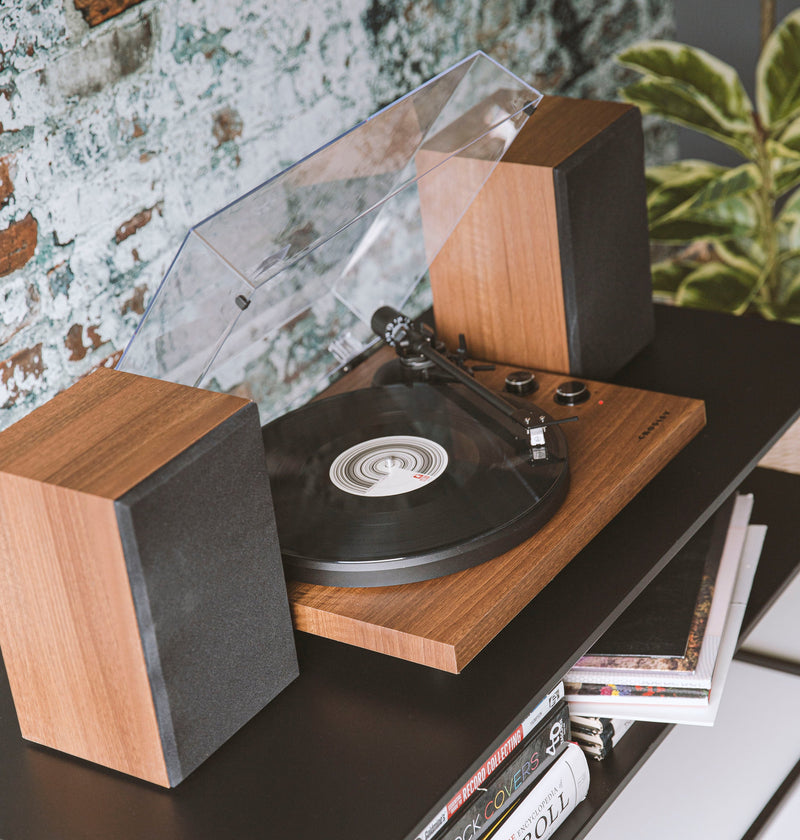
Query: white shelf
{"type": "Point", "coordinates": [778, 632]}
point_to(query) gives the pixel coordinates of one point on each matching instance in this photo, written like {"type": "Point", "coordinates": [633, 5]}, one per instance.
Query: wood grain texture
{"type": "Point", "coordinates": [560, 127]}
{"type": "Point", "coordinates": [68, 629]}
{"type": "Point", "coordinates": [111, 430]}
{"type": "Point", "coordinates": [68, 625]}
{"type": "Point", "coordinates": [623, 438]}
{"type": "Point", "coordinates": [499, 278]}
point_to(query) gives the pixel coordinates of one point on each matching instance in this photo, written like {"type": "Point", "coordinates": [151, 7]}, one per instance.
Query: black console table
{"type": "Point", "coordinates": [365, 746]}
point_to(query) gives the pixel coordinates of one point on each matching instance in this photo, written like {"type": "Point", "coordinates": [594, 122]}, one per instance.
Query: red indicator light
{"type": "Point", "coordinates": [600, 402]}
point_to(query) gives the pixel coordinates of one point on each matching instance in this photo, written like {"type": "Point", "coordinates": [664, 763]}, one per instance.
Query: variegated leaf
{"type": "Point", "coordinates": [743, 254]}
{"type": "Point", "coordinates": [671, 185]}
{"type": "Point", "coordinates": [786, 306]}
{"type": "Point", "coordinates": [778, 74]}
{"type": "Point", "coordinates": [786, 175]}
{"type": "Point", "coordinates": [669, 274]}
{"type": "Point", "coordinates": [680, 170]}
{"type": "Point", "coordinates": [730, 184]}
{"type": "Point", "coordinates": [788, 223]}
{"type": "Point", "coordinates": [717, 286]}
{"type": "Point", "coordinates": [785, 162]}
{"type": "Point", "coordinates": [678, 230]}
{"type": "Point", "coordinates": [711, 84]}
{"type": "Point", "coordinates": [678, 104]}
{"type": "Point", "coordinates": [723, 209]}
{"type": "Point", "coordinates": [790, 136]}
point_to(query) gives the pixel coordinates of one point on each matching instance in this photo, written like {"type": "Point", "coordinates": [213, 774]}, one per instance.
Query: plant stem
{"type": "Point", "coordinates": [765, 204]}
{"type": "Point", "coordinates": [767, 20]}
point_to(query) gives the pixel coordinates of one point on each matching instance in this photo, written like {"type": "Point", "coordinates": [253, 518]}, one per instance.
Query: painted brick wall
{"type": "Point", "coordinates": [124, 122]}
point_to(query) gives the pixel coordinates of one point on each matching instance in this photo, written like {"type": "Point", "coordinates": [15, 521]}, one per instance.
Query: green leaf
{"type": "Point", "coordinates": [671, 185]}
{"type": "Point", "coordinates": [745, 255]}
{"type": "Point", "coordinates": [788, 273]}
{"type": "Point", "coordinates": [679, 105]}
{"type": "Point", "coordinates": [669, 274]}
{"type": "Point", "coordinates": [690, 86]}
{"type": "Point", "coordinates": [788, 222]}
{"type": "Point", "coordinates": [732, 183]}
{"type": "Point", "coordinates": [785, 162]}
{"type": "Point", "coordinates": [786, 175]}
{"type": "Point", "coordinates": [719, 287]}
{"type": "Point", "coordinates": [681, 170]}
{"type": "Point", "coordinates": [722, 209]}
{"type": "Point", "coordinates": [677, 230]}
{"type": "Point", "coordinates": [790, 137]}
{"type": "Point", "coordinates": [792, 207]}
{"type": "Point", "coordinates": [787, 306]}
{"type": "Point", "coordinates": [778, 74]}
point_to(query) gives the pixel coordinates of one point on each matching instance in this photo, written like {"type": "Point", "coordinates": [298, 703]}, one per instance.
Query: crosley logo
{"type": "Point", "coordinates": [655, 424]}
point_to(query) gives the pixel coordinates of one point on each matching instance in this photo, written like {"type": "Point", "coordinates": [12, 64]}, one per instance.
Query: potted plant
{"type": "Point", "coordinates": [739, 227]}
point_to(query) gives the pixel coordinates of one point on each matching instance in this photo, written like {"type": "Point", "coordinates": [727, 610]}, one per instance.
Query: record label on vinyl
{"type": "Point", "coordinates": [405, 482]}
{"type": "Point", "coordinates": [388, 466]}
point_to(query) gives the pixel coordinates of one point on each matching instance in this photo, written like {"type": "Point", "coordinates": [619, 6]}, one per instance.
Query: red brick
{"type": "Point", "coordinates": [227, 125]}
{"type": "Point", "coordinates": [130, 227]}
{"type": "Point", "coordinates": [6, 184]}
{"type": "Point", "coordinates": [29, 363]}
{"type": "Point", "coordinates": [74, 343]}
{"type": "Point", "coordinates": [94, 336]}
{"type": "Point", "coordinates": [135, 303]}
{"type": "Point", "coordinates": [17, 244]}
{"type": "Point", "coordinates": [96, 11]}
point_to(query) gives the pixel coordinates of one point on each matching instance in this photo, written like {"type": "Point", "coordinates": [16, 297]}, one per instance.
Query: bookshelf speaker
{"type": "Point", "coordinates": [549, 268]}
{"type": "Point", "coordinates": [144, 611]}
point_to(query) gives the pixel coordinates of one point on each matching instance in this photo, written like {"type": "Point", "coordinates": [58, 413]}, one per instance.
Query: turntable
{"type": "Point", "coordinates": [408, 480]}
{"type": "Point", "coordinates": [438, 473]}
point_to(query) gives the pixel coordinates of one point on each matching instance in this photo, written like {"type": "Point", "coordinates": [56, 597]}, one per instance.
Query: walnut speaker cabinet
{"type": "Point", "coordinates": [144, 616]}
{"type": "Point", "coordinates": [549, 268]}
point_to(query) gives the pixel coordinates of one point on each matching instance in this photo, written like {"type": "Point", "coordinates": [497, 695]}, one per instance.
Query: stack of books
{"type": "Point", "coordinates": [667, 657]}
{"type": "Point", "coordinates": [535, 776]}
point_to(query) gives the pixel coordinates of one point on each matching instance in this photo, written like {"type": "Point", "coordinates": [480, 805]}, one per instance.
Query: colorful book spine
{"type": "Point", "coordinates": [512, 741]}
{"type": "Point", "coordinates": [641, 691]}
{"type": "Point", "coordinates": [513, 778]}
{"type": "Point", "coordinates": [542, 811]}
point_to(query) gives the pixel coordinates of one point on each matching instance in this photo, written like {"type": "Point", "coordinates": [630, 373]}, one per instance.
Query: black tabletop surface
{"type": "Point", "coordinates": [365, 746]}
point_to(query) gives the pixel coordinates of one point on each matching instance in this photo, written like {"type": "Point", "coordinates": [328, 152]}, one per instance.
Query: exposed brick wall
{"type": "Point", "coordinates": [124, 122]}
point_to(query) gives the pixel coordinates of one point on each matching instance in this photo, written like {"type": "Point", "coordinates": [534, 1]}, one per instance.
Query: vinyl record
{"type": "Point", "coordinates": [402, 483]}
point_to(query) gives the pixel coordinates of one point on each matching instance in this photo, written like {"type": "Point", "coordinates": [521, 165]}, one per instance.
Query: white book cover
{"type": "Point", "coordinates": [662, 709]}
{"type": "Point", "coordinates": [542, 811]}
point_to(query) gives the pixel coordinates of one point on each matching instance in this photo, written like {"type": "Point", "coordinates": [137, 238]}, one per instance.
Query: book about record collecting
{"type": "Point", "coordinates": [667, 657]}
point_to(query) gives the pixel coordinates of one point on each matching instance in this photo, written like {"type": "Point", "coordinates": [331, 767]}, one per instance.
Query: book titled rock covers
{"type": "Point", "coordinates": [551, 707]}
{"type": "Point", "coordinates": [542, 811]}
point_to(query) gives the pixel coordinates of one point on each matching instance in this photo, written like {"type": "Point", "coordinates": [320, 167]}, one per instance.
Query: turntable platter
{"type": "Point", "coordinates": [400, 483]}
